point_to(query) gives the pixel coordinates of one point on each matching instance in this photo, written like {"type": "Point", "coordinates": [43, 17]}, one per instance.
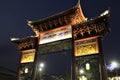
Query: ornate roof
{"type": "Point", "coordinates": [82, 28]}
{"type": "Point", "coordinates": [71, 16]}
{"type": "Point", "coordinates": [98, 26]}
{"type": "Point", "coordinates": [29, 42]}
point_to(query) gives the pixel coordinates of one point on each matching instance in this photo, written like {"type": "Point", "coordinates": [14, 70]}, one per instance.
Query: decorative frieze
{"type": "Point", "coordinates": [98, 26]}
{"type": "Point", "coordinates": [26, 43]}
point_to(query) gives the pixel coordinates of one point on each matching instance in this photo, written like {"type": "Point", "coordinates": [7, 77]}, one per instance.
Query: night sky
{"type": "Point", "coordinates": [14, 15]}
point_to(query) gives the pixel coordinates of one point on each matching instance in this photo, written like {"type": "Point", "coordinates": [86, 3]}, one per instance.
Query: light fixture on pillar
{"type": "Point", "coordinates": [26, 70]}
{"type": "Point", "coordinates": [87, 66]}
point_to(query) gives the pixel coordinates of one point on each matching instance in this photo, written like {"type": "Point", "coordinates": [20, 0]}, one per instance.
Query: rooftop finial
{"type": "Point", "coordinates": [78, 2]}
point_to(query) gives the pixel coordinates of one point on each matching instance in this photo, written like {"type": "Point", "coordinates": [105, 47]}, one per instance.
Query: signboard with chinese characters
{"type": "Point", "coordinates": [61, 33]}
{"type": "Point", "coordinates": [86, 46]}
{"type": "Point", "coordinates": [28, 56]}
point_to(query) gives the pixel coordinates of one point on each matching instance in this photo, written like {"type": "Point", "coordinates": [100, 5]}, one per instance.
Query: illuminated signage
{"type": "Point", "coordinates": [56, 34]}
{"type": "Point", "coordinates": [28, 56]}
{"type": "Point", "coordinates": [86, 47]}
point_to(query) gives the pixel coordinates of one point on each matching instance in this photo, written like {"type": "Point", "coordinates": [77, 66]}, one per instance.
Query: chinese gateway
{"type": "Point", "coordinates": [69, 45]}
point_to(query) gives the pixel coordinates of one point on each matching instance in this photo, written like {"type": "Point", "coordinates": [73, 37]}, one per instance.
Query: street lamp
{"type": "Point", "coordinates": [41, 66]}
{"type": "Point", "coordinates": [114, 65]}
{"type": "Point", "coordinates": [81, 71]}
{"type": "Point", "coordinates": [40, 69]}
{"type": "Point", "coordinates": [82, 75]}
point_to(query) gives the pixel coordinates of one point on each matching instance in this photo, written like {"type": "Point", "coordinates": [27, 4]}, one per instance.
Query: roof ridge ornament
{"type": "Point", "coordinates": [106, 12]}
{"type": "Point", "coordinates": [78, 2]}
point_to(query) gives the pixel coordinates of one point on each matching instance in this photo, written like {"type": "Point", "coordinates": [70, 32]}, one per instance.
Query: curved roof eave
{"type": "Point", "coordinates": [58, 15]}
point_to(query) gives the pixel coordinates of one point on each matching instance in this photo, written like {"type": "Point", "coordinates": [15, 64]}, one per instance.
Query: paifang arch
{"type": "Point", "coordinates": [67, 41]}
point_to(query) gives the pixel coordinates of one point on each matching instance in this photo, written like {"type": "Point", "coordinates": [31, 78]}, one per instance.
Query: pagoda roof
{"type": "Point", "coordinates": [29, 42]}
{"type": "Point", "coordinates": [71, 16]}
{"type": "Point", "coordinates": [98, 26]}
